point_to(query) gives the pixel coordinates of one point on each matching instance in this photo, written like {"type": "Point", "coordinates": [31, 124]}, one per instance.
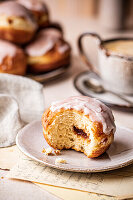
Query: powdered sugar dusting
{"type": "Point", "coordinates": [96, 110]}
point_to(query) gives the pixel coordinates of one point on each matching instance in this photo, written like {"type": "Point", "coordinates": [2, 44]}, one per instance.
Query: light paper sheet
{"type": "Point", "coordinates": [9, 156]}
{"type": "Point", "coordinates": [70, 194]}
{"type": "Point", "coordinates": [115, 183]}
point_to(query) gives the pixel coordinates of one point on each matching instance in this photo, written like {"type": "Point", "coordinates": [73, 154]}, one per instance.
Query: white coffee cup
{"type": "Point", "coordinates": [115, 66]}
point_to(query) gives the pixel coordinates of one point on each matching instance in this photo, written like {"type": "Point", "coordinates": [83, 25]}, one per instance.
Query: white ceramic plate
{"type": "Point", "coordinates": [30, 141]}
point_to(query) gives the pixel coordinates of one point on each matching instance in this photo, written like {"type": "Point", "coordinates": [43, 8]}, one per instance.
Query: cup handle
{"type": "Point", "coordinates": [82, 51]}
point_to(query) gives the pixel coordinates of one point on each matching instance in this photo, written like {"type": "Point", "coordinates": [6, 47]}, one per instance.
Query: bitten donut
{"type": "Point", "coordinates": [38, 9]}
{"type": "Point", "coordinates": [48, 51]}
{"type": "Point", "coordinates": [16, 23]}
{"type": "Point", "coordinates": [80, 123]}
{"type": "Point", "coordinates": [12, 59]}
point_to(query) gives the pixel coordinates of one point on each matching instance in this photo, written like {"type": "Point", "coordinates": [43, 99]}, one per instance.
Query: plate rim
{"type": "Point", "coordinates": [62, 167]}
{"type": "Point", "coordinates": [52, 74]}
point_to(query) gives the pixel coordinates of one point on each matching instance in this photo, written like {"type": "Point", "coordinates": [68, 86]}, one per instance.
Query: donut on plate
{"type": "Point", "coordinates": [80, 123]}
{"type": "Point", "coordinates": [48, 51]}
{"type": "Point", "coordinates": [12, 59]}
{"type": "Point", "coordinates": [16, 23]}
{"type": "Point", "coordinates": [38, 9]}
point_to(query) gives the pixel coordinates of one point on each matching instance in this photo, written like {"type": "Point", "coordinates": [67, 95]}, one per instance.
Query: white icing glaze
{"type": "Point", "coordinates": [7, 49]}
{"type": "Point", "coordinates": [44, 42]}
{"type": "Point", "coordinates": [11, 8]}
{"type": "Point", "coordinates": [51, 32]}
{"type": "Point", "coordinates": [39, 47]}
{"type": "Point", "coordinates": [36, 5]}
{"type": "Point", "coordinates": [65, 47]}
{"type": "Point", "coordinates": [96, 110]}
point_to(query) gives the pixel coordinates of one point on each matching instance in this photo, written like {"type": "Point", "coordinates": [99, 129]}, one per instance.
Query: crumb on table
{"type": "Point", "coordinates": [60, 160]}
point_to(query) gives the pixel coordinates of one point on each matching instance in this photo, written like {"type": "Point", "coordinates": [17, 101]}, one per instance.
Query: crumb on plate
{"type": "Point", "coordinates": [60, 160]}
{"type": "Point", "coordinates": [43, 151]}
{"type": "Point", "coordinates": [47, 151]}
{"type": "Point", "coordinates": [57, 152]}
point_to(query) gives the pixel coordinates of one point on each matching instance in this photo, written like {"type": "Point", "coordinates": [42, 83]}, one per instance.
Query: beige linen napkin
{"type": "Point", "coordinates": [21, 101]}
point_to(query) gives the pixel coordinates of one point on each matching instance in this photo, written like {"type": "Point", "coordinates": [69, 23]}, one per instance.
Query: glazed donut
{"type": "Point", "coordinates": [38, 9]}
{"type": "Point", "coordinates": [16, 23]}
{"type": "Point", "coordinates": [48, 51]}
{"type": "Point", "coordinates": [80, 123]}
{"type": "Point", "coordinates": [12, 59]}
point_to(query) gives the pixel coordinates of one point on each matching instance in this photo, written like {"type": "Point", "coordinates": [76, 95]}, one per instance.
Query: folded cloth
{"type": "Point", "coordinates": [10, 121]}
{"type": "Point", "coordinates": [21, 101]}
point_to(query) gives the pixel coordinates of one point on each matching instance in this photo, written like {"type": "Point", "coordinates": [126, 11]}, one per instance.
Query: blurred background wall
{"type": "Point", "coordinates": [74, 8]}
{"type": "Point", "coordinates": [108, 18]}
{"type": "Point", "coordinates": [114, 14]}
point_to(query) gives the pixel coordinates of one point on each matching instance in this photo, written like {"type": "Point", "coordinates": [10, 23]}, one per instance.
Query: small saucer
{"type": "Point", "coordinates": [107, 98]}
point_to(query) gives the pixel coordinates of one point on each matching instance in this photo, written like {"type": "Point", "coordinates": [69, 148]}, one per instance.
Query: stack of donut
{"type": "Point", "coordinates": [28, 40]}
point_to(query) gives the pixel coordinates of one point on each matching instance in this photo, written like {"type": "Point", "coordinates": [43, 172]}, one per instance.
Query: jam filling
{"type": "Point", "coordinates": [80, 132]}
